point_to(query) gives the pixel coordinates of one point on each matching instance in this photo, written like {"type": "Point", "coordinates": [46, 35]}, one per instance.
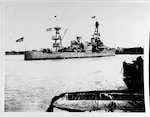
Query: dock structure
{"type": "Point", "coordinates": [133, 75]}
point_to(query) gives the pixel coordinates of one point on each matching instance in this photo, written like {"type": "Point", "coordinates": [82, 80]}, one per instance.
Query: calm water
{"type": "Point", "coordinates": [30, 85]}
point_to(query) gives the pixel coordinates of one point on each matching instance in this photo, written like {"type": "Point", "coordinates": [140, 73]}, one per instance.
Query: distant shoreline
{"type": "Point", "coordinates": [134, 50]}
{"type": "Point", "coordinates": [14, 53]}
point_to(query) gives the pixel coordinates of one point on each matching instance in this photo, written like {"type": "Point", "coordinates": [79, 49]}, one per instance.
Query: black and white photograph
{"type": "Point", "coordinates": [75, 56]}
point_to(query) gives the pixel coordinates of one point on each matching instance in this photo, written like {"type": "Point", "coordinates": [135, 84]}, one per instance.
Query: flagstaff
{"type": "Point", "coordinates": [56, 19]}
{"type": "Point", "coordinates": [22, 40]}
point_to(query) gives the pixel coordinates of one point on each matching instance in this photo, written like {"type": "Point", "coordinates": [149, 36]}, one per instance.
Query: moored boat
{"type": "Point", "coordinates": [98, 101]}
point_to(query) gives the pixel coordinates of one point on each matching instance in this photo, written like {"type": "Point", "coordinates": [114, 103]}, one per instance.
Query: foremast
{"type": "Point", "coordinates": [57, 38]}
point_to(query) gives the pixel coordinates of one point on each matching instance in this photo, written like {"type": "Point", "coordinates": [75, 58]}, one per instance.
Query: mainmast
{"type": "Point", "coordinates": [95, 40]}
{"type": "Point", "coordinates": [96, 33]}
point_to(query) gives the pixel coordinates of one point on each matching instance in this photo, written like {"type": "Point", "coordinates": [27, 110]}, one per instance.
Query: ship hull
{"type": "Point", "coordinates": [31, 55]}
{"type": "Point", "coordinates": [98, 101]}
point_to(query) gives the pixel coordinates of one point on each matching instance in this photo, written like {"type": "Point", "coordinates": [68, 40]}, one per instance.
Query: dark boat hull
{"type": "Point", "coordinates": [101, 101]}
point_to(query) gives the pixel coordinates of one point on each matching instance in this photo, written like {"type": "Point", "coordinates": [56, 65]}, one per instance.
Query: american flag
{"type": "Point", "coordinates": [20, 40]}
{"type": "Point", "coordinates": [93, 17]}
{"type": "Point", "coordinates": [49, 29]}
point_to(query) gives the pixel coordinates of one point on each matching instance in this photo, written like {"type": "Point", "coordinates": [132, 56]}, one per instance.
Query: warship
{"type": "Point", "coordinates": [77, 49]}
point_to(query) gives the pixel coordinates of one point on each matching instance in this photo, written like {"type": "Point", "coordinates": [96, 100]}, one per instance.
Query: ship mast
{"type": "Point", "coordinates": [96, 33]}
{"type": "Point", "coordinates": [57, 38]}
{"type": "Point", "coordinates": [95, 40]}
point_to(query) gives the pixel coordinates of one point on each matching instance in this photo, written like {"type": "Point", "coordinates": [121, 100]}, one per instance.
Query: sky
{"type": "Point", "coordinates": [122, 24]}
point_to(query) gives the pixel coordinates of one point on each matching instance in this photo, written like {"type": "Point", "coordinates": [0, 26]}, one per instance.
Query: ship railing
{"type": "Point", "coordinates": [56, 38]}
{"type": "Point", "coordinates": [98, 34]}
{"type": "Point", "coordinates": [56, 44]}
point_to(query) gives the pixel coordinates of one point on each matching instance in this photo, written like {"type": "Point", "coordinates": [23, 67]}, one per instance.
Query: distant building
{"type": "Point", "coordinates": [14, 52]}
{"type": "Point", "coordinates": [134, 50]}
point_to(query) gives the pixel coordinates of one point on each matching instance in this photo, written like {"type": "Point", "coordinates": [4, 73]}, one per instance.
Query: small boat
{"type": "Point", "coordinates": [98, 101]}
